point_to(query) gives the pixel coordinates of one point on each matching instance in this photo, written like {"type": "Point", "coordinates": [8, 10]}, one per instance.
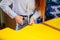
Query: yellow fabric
{"type": "Point", "coordinates": [54, 22]}
{"type": "Point", "coordinates": [33, 32]}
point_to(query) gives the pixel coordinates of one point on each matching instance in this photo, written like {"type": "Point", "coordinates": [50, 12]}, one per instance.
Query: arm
{"type": "Point", "coordinates": [5, 6]}
{"type": "Point", "coordinates": [35, 15]}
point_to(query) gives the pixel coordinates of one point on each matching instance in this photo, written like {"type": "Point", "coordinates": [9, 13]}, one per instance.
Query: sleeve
{"type": "Point", "coordinates": [35, 15]}
{"type": "Point", "coordinates": [4, 5]}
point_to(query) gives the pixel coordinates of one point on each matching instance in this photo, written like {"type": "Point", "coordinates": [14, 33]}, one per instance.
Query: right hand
{"type": "Point", "coordinates": [19, 19]}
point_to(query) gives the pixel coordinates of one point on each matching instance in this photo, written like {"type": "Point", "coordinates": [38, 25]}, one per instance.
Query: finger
{"type": "Point", "coordinates": [31, 23]}
{"type": "Point", "coordinates": [21, 22]}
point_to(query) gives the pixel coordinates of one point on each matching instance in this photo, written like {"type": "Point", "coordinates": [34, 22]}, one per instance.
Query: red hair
{"type": "Point", "coordinates": [40, 5]}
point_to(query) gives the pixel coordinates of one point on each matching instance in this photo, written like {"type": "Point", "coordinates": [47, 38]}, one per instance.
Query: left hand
{"type": "Point", "coordinates": [44, 18]}
{"type": "Point", "coordinates": [32, 21]}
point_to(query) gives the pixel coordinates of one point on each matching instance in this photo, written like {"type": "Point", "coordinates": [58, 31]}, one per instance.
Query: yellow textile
{"type": "Point", "coordinates": [33, 32]}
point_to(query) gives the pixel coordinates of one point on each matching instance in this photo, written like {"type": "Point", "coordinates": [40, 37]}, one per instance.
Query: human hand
{"type": "Point", "coordinates": [32, 21]}
{"type": "Point", "coordinates": [19, 19]}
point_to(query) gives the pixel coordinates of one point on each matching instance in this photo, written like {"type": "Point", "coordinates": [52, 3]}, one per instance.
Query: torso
{"type": "Point", "coordinates": [25, 5]}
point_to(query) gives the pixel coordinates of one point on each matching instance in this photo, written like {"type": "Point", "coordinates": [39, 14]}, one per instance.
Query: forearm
{"type": "Point", "coordinates": [7, 10]}
{"type": "Point", "coordinates": [35, 15]}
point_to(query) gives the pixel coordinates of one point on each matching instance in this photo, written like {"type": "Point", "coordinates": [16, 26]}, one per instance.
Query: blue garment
{"type": "Point", "coordinates": [52, 9]}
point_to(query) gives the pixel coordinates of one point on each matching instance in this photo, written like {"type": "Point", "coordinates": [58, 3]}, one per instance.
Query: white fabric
{"type": "Point", "coordinates": [20, 7]}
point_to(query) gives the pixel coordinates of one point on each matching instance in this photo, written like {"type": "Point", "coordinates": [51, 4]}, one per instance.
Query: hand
{"type": "Point", "coordinates": [43, 19]}
{"type": "Point", "coordinates": [19, 19]}
{"type": "Point", "coordinates": [32, 21]}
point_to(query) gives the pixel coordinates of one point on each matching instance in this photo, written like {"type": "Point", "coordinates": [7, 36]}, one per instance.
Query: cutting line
{"type": "Point", "coordinates": [51, 26]}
